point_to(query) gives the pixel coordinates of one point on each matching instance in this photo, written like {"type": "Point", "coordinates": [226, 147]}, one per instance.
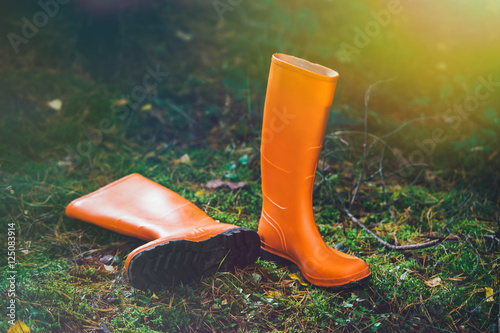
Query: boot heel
{"type": "Point", "coordinates": [268, 256]}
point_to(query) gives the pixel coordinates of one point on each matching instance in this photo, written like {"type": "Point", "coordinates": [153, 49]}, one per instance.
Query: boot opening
{"type": "Point", "coordinates": [304, 64]}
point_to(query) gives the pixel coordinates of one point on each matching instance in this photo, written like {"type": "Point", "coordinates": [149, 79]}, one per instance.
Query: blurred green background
{"type": "Point", "coordinates": [217, 56]}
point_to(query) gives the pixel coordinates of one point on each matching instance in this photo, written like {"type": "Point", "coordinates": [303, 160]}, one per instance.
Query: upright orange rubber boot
{"type": "Point", "coordinates": [297, 106]}
{"type": "Point", "coordinates": [184, 243]}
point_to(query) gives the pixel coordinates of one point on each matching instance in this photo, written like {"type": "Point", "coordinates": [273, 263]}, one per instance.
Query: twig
{"type": "Point", "coordinates": [381, 171]}
{"type": "Point", "coordinates": [493, 238]}
{"type": "Point", "coordinates": [494, 241]}
{"type": "Point", "coordinates": [399, 129]}
{"type": "Point", "coordinates": [417, 177]}
{"type": "Point", "coordinates": [365, 144]}
{"type": "Point", "coordinates": [390, 246]}
{"type": "Point", "coordinates": [181, 112]}
{"type": "Point", "coordinates": [43, 218]}
{"type": "Point", "coordinates": [355, 327]}
{"type": "Point", "coordinates": [481, 303]}
{"type": "Point", "coordinates": [380, 240]}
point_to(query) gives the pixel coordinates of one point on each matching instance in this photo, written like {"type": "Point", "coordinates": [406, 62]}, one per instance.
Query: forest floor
{"type": "Point", "coordinates": [68, 276]}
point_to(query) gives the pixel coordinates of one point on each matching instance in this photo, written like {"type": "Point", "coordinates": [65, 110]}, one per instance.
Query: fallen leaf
{"type": "Point", "coordinates": [183, 160]}
{"type": "Point", "coordinates": [146, 107]}
{"type": "Point", "coordinates": [106, 259]}
{"type": "Point", "coordinates": [150, 155]}
{"type": "Point", "coordinates": [121, 102]}
{"type": "Point", "coordinates": [217, 183]}
{"type": "Point", "coordinates": [187, 37]}
{"type": "Point", "coordinates": [489, 292]}
{"type": "Point", "coordinates": [19, 327]}
{"type": "Point", "coordinates": [433, 282]}
{"type": "Point", "coordinates": [297, 277]}
{"type": "Point", "coordinates": [64, 163]}
{"type": "Point", "coordinates": [55, 104]}
{"type": "Point", "coordinates": [199, 193]}
{"type": "Point", "coordinates": [256, 277]}
{"type": "Point", "coordinates": [109, 268]}
{"type": "Point", "coordinates": [272, 293]}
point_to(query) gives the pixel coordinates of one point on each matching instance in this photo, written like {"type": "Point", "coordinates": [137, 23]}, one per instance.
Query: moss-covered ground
{"type": "Point", "coordinates": [69, 275]}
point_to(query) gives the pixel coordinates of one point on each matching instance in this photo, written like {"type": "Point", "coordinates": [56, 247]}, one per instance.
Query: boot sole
{"type": "Point", "coordinates": [268, 256]}
{"type": "Point", "coordinates": [182, 261]}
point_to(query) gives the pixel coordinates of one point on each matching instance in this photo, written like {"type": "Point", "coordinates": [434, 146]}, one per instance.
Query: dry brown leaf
{"type": "Point", "coordinates": [433, 282]}
{"type": "Point", "coordinates": [217, 183]}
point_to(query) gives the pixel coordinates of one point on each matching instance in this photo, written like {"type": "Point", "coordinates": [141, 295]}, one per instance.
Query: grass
{"type": "Point", "coordinates": [62, 285]}
{"type": "Point", "coordinates": [48, 158]}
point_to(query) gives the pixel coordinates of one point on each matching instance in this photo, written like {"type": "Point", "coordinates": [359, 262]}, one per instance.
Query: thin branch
{"type": "Point", "coordinates": [481, 303]}
{"type": "Point", "coordinates": [417, 177]}
{"type": "Point", "coordinates": [365, 144]}
{"type": "Point", "coordinates": [493, 238]}
{"type": "Point", "coordinates": [381, 172]}
{"type": "Point", "coordinates": [399, 129]}
{"type": "Point", "coordinates": [380, 240]}
{"type": "Point", "coordinates": [390, 246]}
{"type": "Point", "coordinates": [181, 112]}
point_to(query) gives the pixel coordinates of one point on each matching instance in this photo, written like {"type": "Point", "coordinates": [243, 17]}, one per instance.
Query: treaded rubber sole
{"type": "Point", "coordinates": [283, 261]}
{"type": "Point", "coordinates": [183, 261]}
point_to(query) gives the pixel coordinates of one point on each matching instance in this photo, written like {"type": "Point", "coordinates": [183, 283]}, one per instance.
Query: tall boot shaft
{"type": "Point", "coordinates": [138, 207]}
{"type": "Point", "coordinates": [298, 100]}
{"type": "Point", "coordinates": [297, 106]}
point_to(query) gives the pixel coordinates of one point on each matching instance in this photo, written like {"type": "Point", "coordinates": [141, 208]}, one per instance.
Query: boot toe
{"type": "Point", "coordinates": [338, 269]}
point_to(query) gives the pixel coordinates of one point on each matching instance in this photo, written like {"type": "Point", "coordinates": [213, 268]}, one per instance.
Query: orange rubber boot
{"type": "Point", "coordinates": [298, 100]}
{"type": "Point", "coordinates": [184, 243]}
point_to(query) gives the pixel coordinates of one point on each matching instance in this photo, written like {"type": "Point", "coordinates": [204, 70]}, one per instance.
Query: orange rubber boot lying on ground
{"type": "Point", "coordinates": [297, 106]}
{"type": "Point", "coordinates": [184, 243]}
